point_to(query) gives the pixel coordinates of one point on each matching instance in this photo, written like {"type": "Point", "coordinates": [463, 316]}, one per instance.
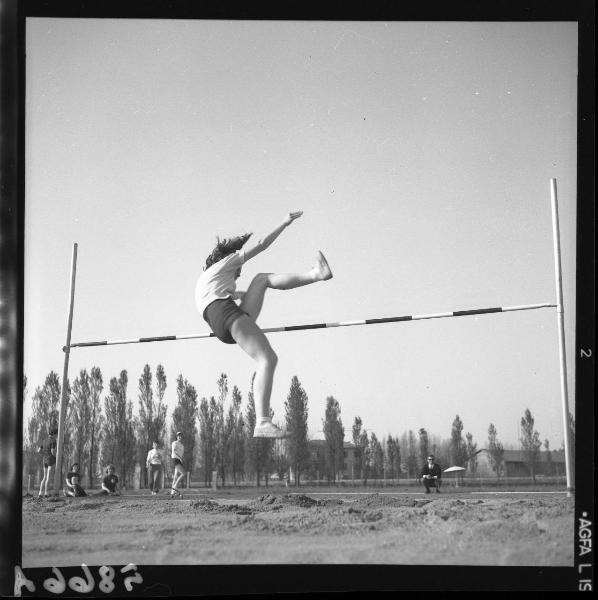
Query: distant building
{"type": "Point", "coordinates": [317, 468]}
{"type": "Point", "coordinates": [549, 463]}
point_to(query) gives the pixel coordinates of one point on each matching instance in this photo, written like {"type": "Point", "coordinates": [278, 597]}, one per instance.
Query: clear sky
{"type": "Point", "coordinates": [420, 152]}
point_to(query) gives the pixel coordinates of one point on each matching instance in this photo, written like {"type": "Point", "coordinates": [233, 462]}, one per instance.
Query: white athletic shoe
{"type": "Point", "coordinates": [267, 429]}
{"type": "Point", "coordinates": [322, 268]}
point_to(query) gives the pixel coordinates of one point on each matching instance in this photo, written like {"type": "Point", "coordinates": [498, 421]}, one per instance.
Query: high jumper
{"type": "Point", "coordinates": [232, 323]}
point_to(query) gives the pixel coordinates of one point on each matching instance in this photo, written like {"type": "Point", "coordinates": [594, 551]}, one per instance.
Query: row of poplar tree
{"type": "Point", "coordinates": [218, 434]}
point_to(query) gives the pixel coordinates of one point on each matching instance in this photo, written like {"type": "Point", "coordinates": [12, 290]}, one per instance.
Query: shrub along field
{"type": "Point", "coordinates": [305, 526]}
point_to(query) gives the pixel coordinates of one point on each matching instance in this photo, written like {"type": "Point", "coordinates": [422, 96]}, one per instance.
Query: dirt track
{"type": "Point", "coordinates": [451, 529]}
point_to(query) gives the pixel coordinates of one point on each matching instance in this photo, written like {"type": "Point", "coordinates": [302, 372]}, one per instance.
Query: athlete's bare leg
{"type": "Point", "coordinates": [254, 296]}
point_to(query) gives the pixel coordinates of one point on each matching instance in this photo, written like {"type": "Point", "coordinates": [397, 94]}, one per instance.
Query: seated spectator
{"type": "Point", "coordinates": [431, 475]}
{"type": "Point", "coordinates": [73, 486]}
{"type": "Point", "coordinates": [110, 482]}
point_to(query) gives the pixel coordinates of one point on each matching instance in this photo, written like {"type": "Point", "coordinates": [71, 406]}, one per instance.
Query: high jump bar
{"type": "Point", "coordinates": [457, 313]}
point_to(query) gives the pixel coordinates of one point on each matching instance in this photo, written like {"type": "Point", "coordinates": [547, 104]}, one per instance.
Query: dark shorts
{"type": "Point", "coordinates": [220, 315]}
{"type": "Point", "coordinates": [49, 461]}
{"type": "Point", "coordinates": [176, 461]}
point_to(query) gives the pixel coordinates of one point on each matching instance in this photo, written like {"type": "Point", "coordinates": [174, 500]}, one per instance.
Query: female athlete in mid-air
{"type": "Point", "coordinates": [215, 293]}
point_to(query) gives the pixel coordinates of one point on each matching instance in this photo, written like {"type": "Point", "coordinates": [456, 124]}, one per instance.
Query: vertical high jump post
{"type": "Point", "coordinates": [65, 374]}
{"type": "Point", "coordinates": [561, 329]}
{"type": "Point", "coordinates": [560, 323]}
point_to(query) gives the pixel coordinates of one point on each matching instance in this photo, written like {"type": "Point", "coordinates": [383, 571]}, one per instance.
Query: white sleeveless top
{"type": "Point", "coordinates": [218, 281]}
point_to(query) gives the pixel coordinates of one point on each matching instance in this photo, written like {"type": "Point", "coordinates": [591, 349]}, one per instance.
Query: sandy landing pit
{"type": "Point", "coordinates": [518, 530]}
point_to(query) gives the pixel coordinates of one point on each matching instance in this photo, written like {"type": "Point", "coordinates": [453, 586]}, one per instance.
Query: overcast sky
{"type": "Point", "coordinates": [420, 152]}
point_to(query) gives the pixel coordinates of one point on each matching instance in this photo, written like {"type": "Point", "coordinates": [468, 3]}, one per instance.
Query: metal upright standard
{"type": "Point", "coordinates": [561, 329]}
{"type": "Point", "coordinates": [65, 375]}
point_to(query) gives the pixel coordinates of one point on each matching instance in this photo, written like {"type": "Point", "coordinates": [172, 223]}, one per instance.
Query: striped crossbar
{"type": "Point", "coordinates": [456, 313]}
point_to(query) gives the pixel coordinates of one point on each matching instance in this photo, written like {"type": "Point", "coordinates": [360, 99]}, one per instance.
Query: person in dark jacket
{"type": "Point", "coordinates": [431, 475]}
{"type": "Point", "coordinates": [73, 486]}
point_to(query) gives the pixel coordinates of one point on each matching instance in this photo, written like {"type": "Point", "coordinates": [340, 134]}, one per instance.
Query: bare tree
{"type": "Point", "coordinates": [412, 466]}
{"type": "Point", "coordinates": [393, 457]}
{"type": "Point", "coordinates": [184, 417]}
{"type": "Point", "coordinates": [96, 387]}
{"type": "Point", "coordinates": [334, 435]}
{"type": "Point", "coordinates": [118, 438]}
{"type": "Point", "coordinates": [530, 442]}
{"type": "Point", "coordinates": [424, 445]}
{"type": "Point", "coordinates": [472, 454]}
{"type": "Point", "coordinates": [364, 444]}
{"type": "Point", "coordinates": [206, 439]}
{"type": "Point", "coordinates": [458, 446]}
{"type": "Point", "coordinates": [79, 422]}
{"type": "Point", "coordinates": [296, 421]}
{"type": "Point", "coordinates": [376, 456]}
{"type": "Point", "coordinates": [152, 412]}
{"type": "Point", "coordinates": [549, 465]}
{"type": "Point", "coordinates": [234, 435]}
{"type": "Point", "coordinates": [496, 451]}
{"type": "Point", "coordinates": [359, 450]}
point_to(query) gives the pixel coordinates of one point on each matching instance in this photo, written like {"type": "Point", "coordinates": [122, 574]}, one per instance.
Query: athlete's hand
{"type": "Point", "coordinates": [292, 216]}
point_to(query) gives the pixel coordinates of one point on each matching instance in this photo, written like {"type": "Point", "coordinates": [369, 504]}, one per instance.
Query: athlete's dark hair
{"type": "Point", "coordinates": [225, 247]}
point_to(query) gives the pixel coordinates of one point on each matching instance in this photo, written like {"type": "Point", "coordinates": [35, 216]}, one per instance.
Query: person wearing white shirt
{"type": "Point", "coordinates": [215, 295]}
{"type": "Point", "coordinates": [178, 451]}
{"type": "Point", "coordinates": [153, 464]}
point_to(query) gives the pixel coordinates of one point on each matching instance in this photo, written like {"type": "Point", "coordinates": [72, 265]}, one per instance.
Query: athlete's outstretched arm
{"type": "Point", "coordinates": [264, 243]}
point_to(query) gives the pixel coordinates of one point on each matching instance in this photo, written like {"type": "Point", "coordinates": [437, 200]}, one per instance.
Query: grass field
{"type": "Point", "coordinates": [460, 526]}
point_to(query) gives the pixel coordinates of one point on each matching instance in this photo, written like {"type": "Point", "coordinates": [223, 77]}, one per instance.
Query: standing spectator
{"type": "Point", "coordinates": [154, 465]}
{"type": "Point", "coordinates": [48, 452]}
{"type": "Point", "coordinates": [431, 475]}
{"type": "Point", "coordinates": [178, 451]}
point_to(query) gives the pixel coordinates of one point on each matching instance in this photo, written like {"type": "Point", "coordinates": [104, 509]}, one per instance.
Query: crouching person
{"type": "Point", "coordinates": [73, 486]}
{"type": "Point", "coordinates": [110, 482]}
{"type": "Point", "coordinates": [431, 475]}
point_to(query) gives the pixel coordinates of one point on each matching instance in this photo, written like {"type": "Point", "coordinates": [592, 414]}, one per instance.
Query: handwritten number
{"type": "Point", "coordinates": [586, 353]}
{"type": "Point", "coordinates": [83, 586]}
{"type": "Point", "coordinates": [56, 586]}
{"type": "Point", "coordinates": [129, 581]}
{"type": "Point", "coordinates": [20, 581]}
{"type": "Point", "coordinates": [106, 584]}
